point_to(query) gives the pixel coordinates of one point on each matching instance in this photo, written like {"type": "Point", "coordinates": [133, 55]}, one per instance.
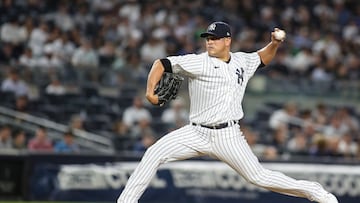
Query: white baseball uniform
{"type": "Point", "coordinates": [216, 90]}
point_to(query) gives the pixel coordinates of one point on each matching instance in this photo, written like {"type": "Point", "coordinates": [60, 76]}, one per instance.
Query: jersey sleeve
{"type": "Point", "coordinates": [187, 64]}
{"type": "Point", "coordinates": [252, 61]}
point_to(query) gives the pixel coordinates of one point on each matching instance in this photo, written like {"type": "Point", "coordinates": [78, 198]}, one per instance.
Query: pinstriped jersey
{"type": "Point", "coordinates": [216, 88]}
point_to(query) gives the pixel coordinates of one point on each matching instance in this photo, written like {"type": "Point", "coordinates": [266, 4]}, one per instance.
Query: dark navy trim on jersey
{"type": "Point", "coordinates": [167, 65]}
{"type": "Point", "coordinates": [262, 65]}
{"type": "Point", "coordinates": [228, 61]}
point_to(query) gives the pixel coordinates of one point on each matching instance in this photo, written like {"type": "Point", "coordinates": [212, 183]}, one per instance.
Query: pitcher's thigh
{"type": "Point", "coordinates": [180, 144]}
{"type": "Point", "coordinates": [236, 152]}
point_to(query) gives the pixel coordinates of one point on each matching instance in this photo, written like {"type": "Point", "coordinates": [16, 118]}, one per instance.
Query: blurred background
{"type": "Point", "coordinates": [74, 121]}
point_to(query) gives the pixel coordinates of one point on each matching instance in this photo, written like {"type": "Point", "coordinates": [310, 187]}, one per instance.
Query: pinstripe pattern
{"type": "Point", "coordinates": [177, 145]}
{"type": "Point", "coordinates": [215, 95]}
{"type": "Point", "coordinates": [216, 90]}
{"type": "Point", "coordinates": [232, 148]}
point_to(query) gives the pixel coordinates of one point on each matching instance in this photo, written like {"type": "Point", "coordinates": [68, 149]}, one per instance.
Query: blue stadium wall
{"type": "Point", "coordinates": [102, 178]}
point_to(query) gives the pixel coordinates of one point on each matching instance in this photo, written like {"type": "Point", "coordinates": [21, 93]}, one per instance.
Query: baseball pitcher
{"type": "Point", "coordinates": [217, 82]}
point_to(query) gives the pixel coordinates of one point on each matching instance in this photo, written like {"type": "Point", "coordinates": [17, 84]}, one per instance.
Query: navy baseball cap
{"type": "Point", "coordinates": [217, 29]}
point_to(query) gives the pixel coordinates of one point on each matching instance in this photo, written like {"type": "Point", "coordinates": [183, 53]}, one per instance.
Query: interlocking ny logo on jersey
{"type": "Point", "coordinates": [240, 76]}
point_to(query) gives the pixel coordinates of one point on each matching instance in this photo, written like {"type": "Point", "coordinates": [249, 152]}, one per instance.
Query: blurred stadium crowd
{"type": "Point", "coordinates": [64, 51]}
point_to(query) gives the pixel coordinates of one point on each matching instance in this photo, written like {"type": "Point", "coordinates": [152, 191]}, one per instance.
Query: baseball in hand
{"type": "Point", "coordinates": [279, 35]}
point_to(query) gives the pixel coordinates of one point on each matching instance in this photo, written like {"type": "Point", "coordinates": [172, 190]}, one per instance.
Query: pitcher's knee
{"type": "Point", "coordinates": [259, 178]}
{"type": "Point", "coordinates": [155, 154]}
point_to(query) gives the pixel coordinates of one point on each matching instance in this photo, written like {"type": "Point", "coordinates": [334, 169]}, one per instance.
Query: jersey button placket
{"type": "Point", "coordinates": [226, 79]}
{"type": "Point", "coordinates": [234, 88]}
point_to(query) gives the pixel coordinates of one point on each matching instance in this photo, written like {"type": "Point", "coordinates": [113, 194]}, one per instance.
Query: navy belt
{"type": "Point", "coordinates": [218, 126]}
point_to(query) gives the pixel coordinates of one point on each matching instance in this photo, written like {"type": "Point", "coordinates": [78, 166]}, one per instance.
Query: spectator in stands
{"type": "Point", "coordinates": [62, 17]}
{"type": "Point", "coordinates": [64, 47]}
{"type": "Point", "coordinates": [347, 146]}
{"type": "Point", "coordinates": [120, 129]}
{"type": "Point", "coordinates": [133, 70]}
{"type": "Point", "coordinates": [358, 149]}
{"type": "Point", "coordinates": [40, 142]}
{"type": "Point", "coordinates": [22, 104]}
{"type": "Point", "coordinates": [27, 59]}
{"type": "Point", "coordinates": [282, 117]}
{"type": "Point", "coordinates": [306, 118]}
{"type": "Point", "coordinates": [14, 84]}
{"type": "Point", "coordinates": [328, 45]}
{"type": "Point", "coordinates": [153, 49]}
{"type": "Point", "coordinates": [142, 127]}
{"type": "Point", "coordinates": [55, 87]}
{"type": "Point", "coordinates": [133, 114]}
{"type": "Point", "coordinates": [49, 62]}
{"type": "Point", "coordinates": [12, 32]}
{"type": "Point", "coordinates": [107, 53]}
{"type": "Point", "coordinates": [147, 139]}
{"type": "Point", "coordinates": [108, 28]}
{"type": "Point", "coordinates": [348, 120]}
{"type": "Point", "coordinates": [353, 66]}
{"type": "Point", "coordinates": [321, 114]}
{"type": "Point", "coordinates": [270, 153]}
{"type": "Point", "coordinates": [333, 147]}
{"type": "Point", "coordinates": [67, 144]}
{"type": "Point", "coordinates": [279, 67]}
{"type": "Point", "coordinates": [335, 129]}
{"type": "Point", "coordinates": [302, 62]}
{"type": "Point", "coordinates": [119, 60]}
{"type": "Point", "coordinates": [83, 17]}
{"type": "Point", "coordinates": [132, 11]}
{"type": "Point", "coordinates": [298, 144]}
{"type": "Point", "coordinates": [303, 133]}
{"type": "Point", "coordinates": [320, 72]}
{"type": "Point", "coordinates": [85, 56]}
{"type": "Point", "coordinates": [38, 37]}
{"type": "Point", "coordinates": [29, 24]}
{"type": "Point", "coordinates": [77, 122]}
{"type": "Point", "coordinates": [7, 53]}
{"type": "Point", "coordinates": [177, 115]}
{"type": "Point", "coordinates": [122, 138]}
{"type": "Point", "coordinates": [19, 140]}
{"type": "Point", "coordinates": [5, 137]}
{"type": "Point", "coordinates": [86, 61]}
{"type": "Point", "coordinates": [280, 138]}
{"type": "Point", "coordinates": [320, 146]}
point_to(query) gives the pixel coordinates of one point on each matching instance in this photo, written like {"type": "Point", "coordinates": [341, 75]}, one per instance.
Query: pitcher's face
{"type": "Point", "coordinates": [218, 47]}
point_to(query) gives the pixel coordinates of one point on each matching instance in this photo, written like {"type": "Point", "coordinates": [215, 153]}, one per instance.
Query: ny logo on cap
{"type": "Point", "coordinates": [212, 26]}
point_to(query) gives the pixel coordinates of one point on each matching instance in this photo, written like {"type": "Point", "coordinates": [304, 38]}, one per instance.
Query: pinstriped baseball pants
{"type": "Point", "coordinates": [227, 145]}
